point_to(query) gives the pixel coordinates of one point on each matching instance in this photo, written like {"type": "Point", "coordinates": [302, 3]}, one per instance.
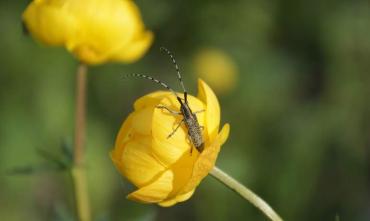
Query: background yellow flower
{"type": "Point", "coordinates": [95, 31]}
{"type": "Point", "coordinates": [162, 168]}
{"type": "Point", "coordinates": [217, 68]}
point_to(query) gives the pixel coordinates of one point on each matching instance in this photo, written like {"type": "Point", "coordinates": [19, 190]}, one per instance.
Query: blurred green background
{"type": "Point", "coordinates": [299, 111]}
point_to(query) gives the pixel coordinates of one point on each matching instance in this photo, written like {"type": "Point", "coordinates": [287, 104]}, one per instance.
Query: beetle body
{"type": "Point", "coordinates": [192, 124]}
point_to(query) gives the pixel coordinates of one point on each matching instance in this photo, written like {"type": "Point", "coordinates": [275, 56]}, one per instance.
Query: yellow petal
{"type": "Point", "coordinates": [206, 161]}
{"type": "Point", "coordinates": [124, 133]}
{"type": "Point", "coordinates": [177, 199]}
{"type": "Point", "coordinates": [169, 150]}
{"type": "Point", "coordinates": [212, 115]}
{"type": "Point", "coordinates": [48, 23]}
{"type": "Point", "coordinates": [182, 170]}
{"type": "Point", "coordinates": [137, 162]}
{"type": "Point", "coordinates": [88, 54]}
{"type": "Point", "coordinates": [224, 134]}
{"type": "Point", "coordinates": [150, 100]}
{"type": "Point", "coordinates": [156, 191]}
{"type": "Point", "coordinates": [106, 26]}
{"type": "Point", "coordinates": [142, 121]}
{"type": "Point", "coordinates": [135, 49]}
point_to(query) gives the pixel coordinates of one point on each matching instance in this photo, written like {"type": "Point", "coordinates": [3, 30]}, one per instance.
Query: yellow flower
{"type": "Point", "coordinates": [95, 31]}
{"type": "Point", "coordinates": [217, 68]}
{"type": "Point", "coordinates": [163, 169]}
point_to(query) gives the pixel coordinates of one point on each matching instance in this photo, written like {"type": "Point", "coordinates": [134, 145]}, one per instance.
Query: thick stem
{"type": "Point", "coordinates": [245, 193]}
{"type": "Point", "coordinates": [78, 170]}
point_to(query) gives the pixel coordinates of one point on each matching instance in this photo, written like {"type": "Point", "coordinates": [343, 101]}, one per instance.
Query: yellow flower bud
{"type": "Point", "coordinates": [163, 169]}
{"type": "Point", "coordinates": [217, 68]}
{"type": "Point", "coordinates": [95, 31]}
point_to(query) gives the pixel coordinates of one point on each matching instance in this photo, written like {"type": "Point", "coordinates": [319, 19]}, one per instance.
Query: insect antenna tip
{"type": "Point", "coordinates": [163, 49]}
{"type": "Point", "coordinates": [126, 76]}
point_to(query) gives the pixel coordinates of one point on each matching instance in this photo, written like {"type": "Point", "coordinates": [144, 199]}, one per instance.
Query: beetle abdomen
{"type": "Point", "coordinates": [195, 133]}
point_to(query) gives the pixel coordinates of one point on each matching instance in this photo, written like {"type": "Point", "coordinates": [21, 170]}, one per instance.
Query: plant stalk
{"type": "Point", "coordinates": [244, 192]}
{"type": "Point", "coordinates": [78, 171]}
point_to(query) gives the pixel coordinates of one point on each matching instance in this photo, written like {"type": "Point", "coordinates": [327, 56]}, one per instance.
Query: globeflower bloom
{"type": "Point", "coordinates": [95, 31]}
{"type": "Point", "coordinates": [164, 170]}
{"type": "Point", "coordinates": [217, 68]}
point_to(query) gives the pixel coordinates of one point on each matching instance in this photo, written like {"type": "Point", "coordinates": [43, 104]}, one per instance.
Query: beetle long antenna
{"type": "Point", "coordinates": [153, 79]}
{"type": "Point", "coordinates": [163, 49]}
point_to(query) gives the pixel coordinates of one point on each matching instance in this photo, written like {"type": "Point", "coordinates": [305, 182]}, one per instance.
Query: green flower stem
{"type": "Point", "coordinates": [81, 193]}
{"type": "Point", "coordinates": [80, 118]}
{"type": "Point", "coordinates": [78, 170]}
{"type": "Point", "coordinates": [244, 192]}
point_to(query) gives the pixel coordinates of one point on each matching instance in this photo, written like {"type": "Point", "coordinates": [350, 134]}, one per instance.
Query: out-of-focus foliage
{"type": "Point", "coordinates": [299, 112]}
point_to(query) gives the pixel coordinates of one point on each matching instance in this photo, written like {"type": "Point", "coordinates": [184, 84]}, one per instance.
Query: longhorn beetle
{"type": "Point", "coordinates": [189, 117]}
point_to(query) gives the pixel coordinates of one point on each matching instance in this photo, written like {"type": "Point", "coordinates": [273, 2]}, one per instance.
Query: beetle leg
{"type": "Point", "coordinates": [174, 131]}
{"type": "Point", "coordinates": [169, 110]}
{"type": "Point", "coordinates": [199, 111]}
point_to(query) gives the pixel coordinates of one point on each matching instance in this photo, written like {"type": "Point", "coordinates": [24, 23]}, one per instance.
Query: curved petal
{"type": "Point", "coordinates": [224, 134]}
{"type": "Point", "coordinates": [156, 191]}
{"type": "Point", "coordinates": [168, 150]}
{"type": "Point", "coordinates": [150, 100]}
{"type": "Point", "coordinates": [124, 134]}
{"type": "Point", "coordinates": [182, 170]}
{"type": "Point", "coordinates": [87, 53]}
{"type": "Point", "coordinates": [137, 162]}
{"type": "Point", "coordinates": [48, 23]}
{"type": "Point", "coordinates": [206, 160]}
{"type": "Point", "coordinates": [105, 27]}
{"type": "Point", "coordinates": [134, 49]}
{"type": "Point", "coordinates": [177, 199]}
{"type": "Point", "coordinates": [142, 121]}
{"type": "Point", "coordinates": [212, 114]}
